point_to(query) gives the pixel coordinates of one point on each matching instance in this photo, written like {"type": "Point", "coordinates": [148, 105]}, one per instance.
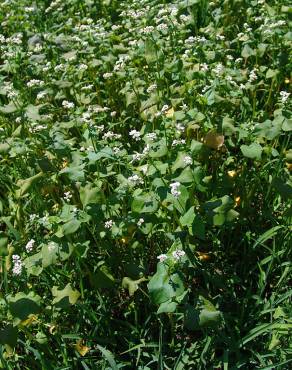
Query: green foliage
{"type": "Point", "coordinates": [145, 184]}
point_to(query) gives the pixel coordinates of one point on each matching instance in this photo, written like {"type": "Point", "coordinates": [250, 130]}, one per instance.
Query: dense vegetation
{"type": "Point", "coordinates": [145, 189]}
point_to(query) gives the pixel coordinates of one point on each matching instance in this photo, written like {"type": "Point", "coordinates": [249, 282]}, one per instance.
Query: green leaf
{"type": "Point", "coordinates": [209, 317]}
{"type": "Point", "coordinates": [179, 162]}
{"type": "Point", "coordinates": [204, 314]}
{"type": "Point", "coordinates": [22, 305]}
{"type": "Point", "coordinates": [109, 357]}
{"type": "Point", "coordinates": [3, 244]}
{"type": "Point", "coordinates": [287, 125]}
{"type": "Point", "coordinates": [90, 194]}
{"type": "Point", "coordinates": [159, 149]}
{"type": "Point", "coordinates": [271, 73]}
{"type": "Point", "coordinates": [33, 264]}
{"type": "Point", "coordinates": [75, 173]}
{"type": "Point", "coordinates": [9, 108]}
{"type": "Point", "coordinates": [247, 51]}
{"type": "Point", "coordinates": [49, 255]}
{"type": "Point", "coordinates": [66, 297]}
{"type": "Point", "coordinates": [186, 176]}
{"type": "Point", "coordinates": [180, 202]}
{"type": "Point", "coordinates": [167, 307]}
{"type": "Point", "coordinates": [253, 151]}
{"type": "Point", "coordinates": [220, 210]}
{"type": "Point", "coordinates": [32, 112]}
{"type": "Point", "coordinates": [25, 185]}
{"type": "Point", "coordinates": [144, 203]}
{"type": "Point", "coordinates": [8, 335]}
{"type": "Point", "coordinates": [131, 285]}
{"type": "Point", "coordinates": [4, 147]}
{"type": "Point", "coordinates": [102, 279]}
{"type": "Point", "coordinates": [228, 126]}
{"type": "Point", "coordinates": [164, 286]}
{"type": "Point", "coordinates": [188, 218]}
{"type": "Point", "coordinates": [284, 189]}
{"type": "Point", "coordinates": [71, 227]}
{"type": "Point", "coordinates": [198, 228]}
{"type": "Point", "coordinates": [150, 51]}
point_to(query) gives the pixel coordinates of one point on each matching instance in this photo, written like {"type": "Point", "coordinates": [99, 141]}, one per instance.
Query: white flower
{"type": "Point", "coordinates": [252, 76]}
{"type": "Point", "coordinates": [178, 142]}
{"type": "Point", "coordinates": [178, 254]}
{"type": "Point", "coordinates": [140, 222]}
{"type": "Point", "coordinates": [41, 95]}
{"type": "Point", "coordinates": [109, 224]}
{"type": "Point", "coordinates": [220, 37]}
{"type": "Point", "coordinates": [67, 196]}
{"type": "Point", "coordinates": [67, 104]}
{"type": "Point", "coordinates": [219, 69]}
{"type": "Point", "coordinates": [32, 217]}
{"type": "Point", "coordinates": [146, 149]}
{"type": "Point", "coordinates": [284, 96]}
{"type": "Point", "coordinates": [82, 67]}
{"type": "Point", "coordinates": [35, 82]}
{"type": "Point", "coordinates": [136, 135]}
{"type": "Point", "coordinates": [116, 150]}
{"type": "Point", "coordinates": [162, 257]}
{"type": "Point", "coordinates": [29, 245]}
{"type": "Point", "coordinates": [137, 157]}
{"type": "Point", "coordinates": [135, 180]}
{"type": "Point", "coordinates": [148, 29]}
{"type": "Point", "coordinates": [174, 189]}
{"type": "Point", "coordinates": [152, 88]}
{"type": "Point", "coordinates": [151, 136]}
{"type": "Point", "coordinates": [164, 108]}
{"type": "Point", "coordinates": [162, 27]}
{"type": "Point", "coordinates": [180, 127]}
{"type": "Point", "coordinates": [188, 160]}
{"type": "Point", "coordinates": [17, 264]}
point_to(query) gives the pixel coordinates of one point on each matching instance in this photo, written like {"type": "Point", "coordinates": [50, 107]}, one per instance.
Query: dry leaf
{"type": "Point", "coordinates": [169, 113]}
{"type": "Point", "coordinates": [203, 256]}
{"type": "Point", "coordinates": [214, 140]}
{"type": "Point", "coordinates": [31, 318]}
{"type": "Point", "coordinates": [80, 348]}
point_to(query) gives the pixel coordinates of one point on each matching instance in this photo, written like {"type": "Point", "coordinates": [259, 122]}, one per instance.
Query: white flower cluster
{"type": "Point", "coordinates": [17, 264]}
{"type": "Point", "coordinates": [67, 196]}
{"type": "Point", "coordinates": [136, 135]}
{"type": "Point", "coordinates": [35, 82]}
{"type": "Point", "coordinates": [109, 224]}
{"type": "Point", "coordinates": [148, 29]}
{"type": "Point", "coordinates": [151, 88]}
{"type": "Point", "coordinates": [177, 255]}
{"type": "Point", "coordinates": [140, 222]}
{"type": "Point", "coordinates": [252, 76]}
{"type": "Point", "coordinates": [111, 135]}
{"type": "Point", "coordinates": [138, 156]}
{"type": "Point", "coordinates": [174, 189]}
{"type": "Point", "coordinates": [188, 160]}
{"type": "Point", "coordinates": [284, 96]}
{"type": "Point", "coordinates": [163, 110]}
{"type": "Point", "coordinates": [219, 69]}
{"type": "Point", "coordinates": [68, 105]}
{"type": "Point", "coordinates": [151, 136]}
{"type": "Point", "coordinates": [135, 180]}
{"type": "Point", "coordinates": [178, 142]}
{"type": "Point", "coordinates": [29, 246]}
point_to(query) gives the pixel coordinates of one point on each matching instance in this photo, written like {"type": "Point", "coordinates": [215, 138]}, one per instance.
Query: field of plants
{"type": "Point", "coordinates": [145, 184]}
